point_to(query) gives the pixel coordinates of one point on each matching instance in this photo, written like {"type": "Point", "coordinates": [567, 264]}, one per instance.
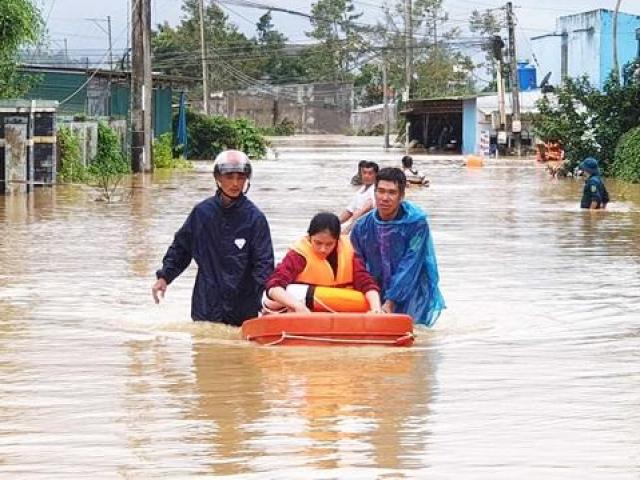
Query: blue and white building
{"type": "Point", "coordinates": [582, 44]}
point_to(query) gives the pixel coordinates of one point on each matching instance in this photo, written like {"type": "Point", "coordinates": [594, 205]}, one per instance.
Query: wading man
{"type": "Point", "coordinates": [229, 239]}
{"type": "Point", "coordinates": [394, 240]}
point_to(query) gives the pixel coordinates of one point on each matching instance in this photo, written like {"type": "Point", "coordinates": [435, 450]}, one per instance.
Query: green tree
{"type": "Point", "coordinates": [278, 62]}
{"type": "Point", "coordinates": [230, 53]}
{"type": "Point", "coordinates": [488, 24]}
{"type": "Point", "coordinates": [20, 25]}
{"type": "Point", "coordinates": [109, 167]}
{"type": "Point", "coordinates": [438, 68]}
{"type": "Point", "coordinates": [342, 41]}
{"type": "Point", "coordinates": [588, 121]}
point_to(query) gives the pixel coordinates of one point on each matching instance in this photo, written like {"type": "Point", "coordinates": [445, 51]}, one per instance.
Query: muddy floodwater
{"type": "Point", "coordinates": [533, 371]}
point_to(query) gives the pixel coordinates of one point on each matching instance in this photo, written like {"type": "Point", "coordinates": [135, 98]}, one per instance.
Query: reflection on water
{"type": "Point", "coordinates": [532, 370]}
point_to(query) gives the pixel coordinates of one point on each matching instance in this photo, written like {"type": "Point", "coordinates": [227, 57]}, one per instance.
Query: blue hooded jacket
{"type": "Point", "coordinates": [232, 247]}
{"type": "Point", "coordinates": [401, 257]}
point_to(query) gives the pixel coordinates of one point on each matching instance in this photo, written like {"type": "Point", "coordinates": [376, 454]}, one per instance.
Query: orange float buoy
{"type": "Point", "coordinates": [392, 330]}
{"type": "Point", "coordinates": [474, 161]}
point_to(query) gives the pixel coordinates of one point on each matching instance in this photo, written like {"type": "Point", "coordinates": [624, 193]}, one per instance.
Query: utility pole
{"type": "Point", "coordinates": [408, 44]}
{"type": "Point", "coordinates": [615, 41]}
{"type": "Point", "coordinates": [141, 87]}
{"type": "Point", "coordinates": [97, 22]}
{"type": "Point", "coordinates": [385, 100]}
{"type": "Point", "coordinates": [516, 127]}
{"type": "Point", "coordinates": [497, 44]}
{"type": "Point", "coordinates": [205, 72]}
{"type": "Point", "coordinates": [127, 51]}
{"type": "Point", "coordinates": [110, 43]}
{"type": "Point", "coordinates": [66, 52]}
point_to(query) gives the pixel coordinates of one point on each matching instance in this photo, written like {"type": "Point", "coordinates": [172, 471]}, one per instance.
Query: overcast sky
{"type": "Point", "coordinates": [69, 19]}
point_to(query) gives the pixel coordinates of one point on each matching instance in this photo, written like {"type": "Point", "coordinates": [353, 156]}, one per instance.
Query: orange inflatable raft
{"type": "Point", "coordinates": [325, 328]}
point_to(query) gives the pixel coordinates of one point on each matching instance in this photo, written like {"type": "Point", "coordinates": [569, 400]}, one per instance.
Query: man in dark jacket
{"type": "Point", "coordinates": [229, 238]}
{"type": "Point", "coordinates": [594, 194]}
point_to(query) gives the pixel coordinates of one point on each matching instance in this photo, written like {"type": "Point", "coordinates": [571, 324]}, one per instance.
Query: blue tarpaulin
{"type": "Point", "coordinates": [181, 135]}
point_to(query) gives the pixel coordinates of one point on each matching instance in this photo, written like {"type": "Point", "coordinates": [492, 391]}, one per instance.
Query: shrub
{"type": "Point", "coordinates": [72, 169]}
{"type": "Point", "coordinates": [283, 129]}
{"type": "Point", "coordinates": [109, 167]}
{"type": "Point", "coordinates": [163, 154]}
{"type": "Point", "coordinates": [208, 136]}
{"type": "Point", "coordinates": [626, 161]}
{"type": "Point", "coordinates": [250, 140]}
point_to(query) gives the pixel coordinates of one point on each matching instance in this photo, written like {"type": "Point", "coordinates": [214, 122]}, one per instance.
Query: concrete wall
{"type": "Point", "coordinates": [314, 108]}
{"type": "Point", "coordinates": [87, 133]}
{"type": "Point", "coordinates": [369, 117]}
{"type": "Point", "coordinates": [547, 50]}
{"type": "Point", "coordinates": [470, 132]}
{"type": "Point", "coordinates": [627, 43]}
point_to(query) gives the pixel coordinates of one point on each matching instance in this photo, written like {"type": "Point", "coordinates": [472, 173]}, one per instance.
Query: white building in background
{"type": "Point", "coordinates": [582, 44]}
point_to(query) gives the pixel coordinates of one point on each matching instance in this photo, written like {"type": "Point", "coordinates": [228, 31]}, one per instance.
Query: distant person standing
{"type": "Point", "coordinates": [229, 238]}
{"type": "Point", "coordinates": [356, 180]}
{"type": "Point", "coordinates": [394, 240]}
{"type": "Point", "coordinates": [363, 200]}
{"type": "Point", "coordinates": [594, 194]}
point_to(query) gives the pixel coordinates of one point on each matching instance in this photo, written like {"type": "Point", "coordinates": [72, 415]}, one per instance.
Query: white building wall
{"type": "Point", "coordinates": [547, 51]}
{"type": "Point", "coordinates": [583, 36]}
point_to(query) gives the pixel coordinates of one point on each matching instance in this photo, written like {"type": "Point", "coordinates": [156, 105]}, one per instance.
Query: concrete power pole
{"type": "Point", "coordinates": [141, 87]}
{"type": "Point", "coordinates": [205, 71]}
{"type": "Point", "coordinates": [408, 44]}
{"type": "Point", "coordinates": [516, 127]}
{"type": "Point", "coordinates": [385, 102]}
{"type": "Point", "coordinates": [615, 41]}
{"type": "Point", "coordinates": [110, 43]}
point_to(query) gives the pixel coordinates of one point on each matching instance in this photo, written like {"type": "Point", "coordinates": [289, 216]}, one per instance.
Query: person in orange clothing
{"type": "Point", "coordinates": [323, 258]}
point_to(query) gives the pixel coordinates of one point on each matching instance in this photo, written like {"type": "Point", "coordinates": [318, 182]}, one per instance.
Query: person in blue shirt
{"type": "Point", "coordinates": [594, 194]}
{"type": "Point", "coordinates": [394, 240]}
{"type": "Point", "coordinates": [229, 239]}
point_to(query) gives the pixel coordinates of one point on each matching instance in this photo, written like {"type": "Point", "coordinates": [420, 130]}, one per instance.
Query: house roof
{"type": "Point", "coordinates": [113, 74]}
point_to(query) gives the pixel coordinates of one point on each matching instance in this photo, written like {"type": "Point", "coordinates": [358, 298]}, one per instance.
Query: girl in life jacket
{"type": "Point", "coordinates": [321, 273]}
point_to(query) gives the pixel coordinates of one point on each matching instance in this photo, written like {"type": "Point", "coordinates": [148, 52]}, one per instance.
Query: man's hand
{"type": "Point", "coordinates": [158, 289]}
{"type": "Point", "coordinates": [388, 306]}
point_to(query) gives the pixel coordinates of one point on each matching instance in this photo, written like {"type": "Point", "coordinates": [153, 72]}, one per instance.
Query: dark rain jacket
{"type": "Point", "coordinates": [594, 191]}
{"type": "Point", "coordinates": [232, 248]}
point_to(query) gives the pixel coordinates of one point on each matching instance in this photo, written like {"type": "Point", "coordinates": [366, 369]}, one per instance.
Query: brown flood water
{"type": "Point", "coordinates": [533, 371]}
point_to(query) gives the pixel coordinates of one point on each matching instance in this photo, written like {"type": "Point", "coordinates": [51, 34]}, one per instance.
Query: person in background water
{"type": "Point", "coordinates": [363, 200]}
{"type": "Point", "coordinates": [594, 195]}
{"type": "Point", "coordinates": [356, 180]}
{"type": "Point", "coordinates": [321, 258]}
{"type": "Point", "coordinates": [413, 175]}
{"type": "Point", "coordinates": [394, 240]}
{"type": "Point", "coordinates": [229, 238]}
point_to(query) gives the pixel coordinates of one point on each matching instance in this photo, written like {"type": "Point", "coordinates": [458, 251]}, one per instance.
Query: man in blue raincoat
{"type": "Point", "coordinates": [229, 238]}
{"type": "Point", "coordinates": [395, 243]}
{"type": "Point", "coordinates": [594, 195]}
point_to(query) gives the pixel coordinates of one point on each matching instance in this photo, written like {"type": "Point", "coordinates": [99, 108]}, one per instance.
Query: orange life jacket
{"type": "Point", "coordinates": [318, 271]}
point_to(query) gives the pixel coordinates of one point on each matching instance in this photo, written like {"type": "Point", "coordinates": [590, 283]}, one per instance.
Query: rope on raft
{"type": "Point", "coordinates": [285, 336]}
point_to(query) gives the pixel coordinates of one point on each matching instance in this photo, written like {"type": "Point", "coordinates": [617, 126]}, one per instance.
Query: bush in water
{"type": "Point", "coordinates": [72, 169]}
{"type": "Point", "coordinates": [626, 162]}
{"type": "Point", "coordinates": [109, 167]}
{"type": "Point", "coordinates": [163, 155]}
{"type": "Point", "coordinates": [208, 136]}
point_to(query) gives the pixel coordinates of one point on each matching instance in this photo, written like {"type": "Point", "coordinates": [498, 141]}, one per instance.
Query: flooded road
{"type": "Point", "coordinates": [533, 371]}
